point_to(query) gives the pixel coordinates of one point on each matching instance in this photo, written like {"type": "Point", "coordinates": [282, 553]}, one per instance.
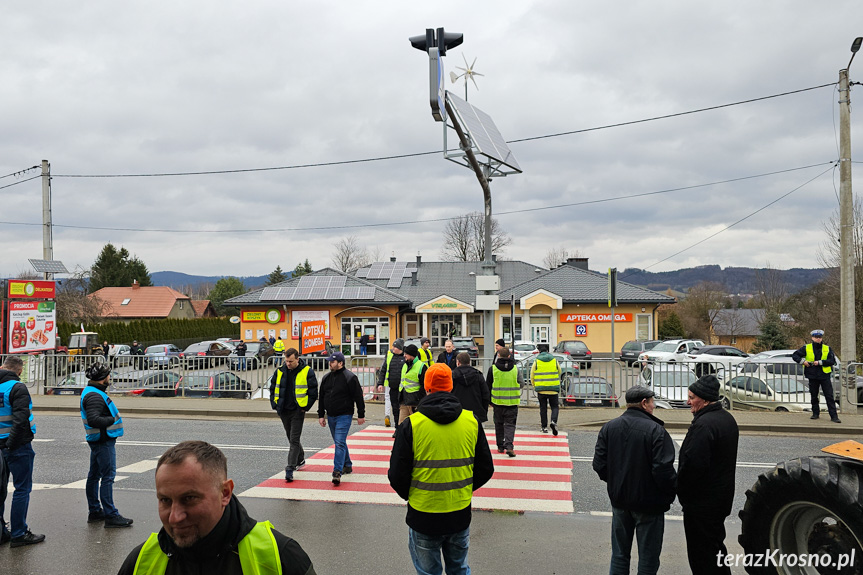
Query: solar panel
{"type": "Point", "coordinates": [338, 281]}
{"type": "Point", "coordinates": [363, 273]}
{"type": "Point", "coordinates": [375, 271]}
{"type": "Point", "coordinates": [270, 294]}
{"type": "Point", "coordinates": [395, 281]}
{"type": "Point", "coordinates": [483, 132]}
{"type": "Point", "coordinates": [366, 293]}
{"type": "Point", "coordinates": [306, 281]}
{"type": "Point", "coordinates": [49, 266]}
{"type": "Point", "coordinates": [318, 293]}
{"type": "Point", "coordinates": [334, 293]}
{"type": "Point", "coordinates": [351, 293]}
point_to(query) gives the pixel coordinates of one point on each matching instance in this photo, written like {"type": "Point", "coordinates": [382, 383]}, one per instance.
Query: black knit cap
{"type": "Point", "coordinates": [500, 342]}
{"type": "Point", "coordinates": [637, 393]}
{"type": "Point", "coordinates": [412, 350]}
{"type": "Point", "coordinates": [707, 388]}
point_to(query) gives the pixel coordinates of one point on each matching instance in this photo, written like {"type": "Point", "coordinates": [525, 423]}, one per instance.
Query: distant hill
{"type": "Point", "coordinates": [179, 280]}
{"type": "Point", "coordinates": [736, 280]}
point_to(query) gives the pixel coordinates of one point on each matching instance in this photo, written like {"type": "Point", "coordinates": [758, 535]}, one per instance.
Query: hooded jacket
{"type": "Point", "coordinates": [19, 397]}
{"type": "Point", "coordinates": [469, 387]}
{"type": "Point", "coordinates": [502, 364]}
{"type": "Point", "coordinates": [444, 408]}
{"type": "Point", "coordinates": [544, 356]}
{"type": "Point", "coordinates": [98, 413]}
{"type": "Point", "coordinates": [287, 393]}
{"type": "Point", "coordinates": [217, 551]}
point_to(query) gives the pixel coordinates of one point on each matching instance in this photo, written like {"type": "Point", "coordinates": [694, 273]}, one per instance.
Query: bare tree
{"type": "Point", "coordinates": [464, 238]}
{"type": "Point", "coordinates": [73, 303]}
{"type": "Point", "coordinates": [772, 289]}
{"type": "Point", "coordinates": [699, 308]}
{"type": "Point", "coordinates": [557, 256]}
{"type": "Point", "coordinates": [349, 254]}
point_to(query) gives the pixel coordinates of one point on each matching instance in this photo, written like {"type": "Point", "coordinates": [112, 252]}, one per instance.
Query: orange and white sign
{"type": "Point", "coordinates": [314, 336]}
{"type": "Point", "coordinates": [593, 317]}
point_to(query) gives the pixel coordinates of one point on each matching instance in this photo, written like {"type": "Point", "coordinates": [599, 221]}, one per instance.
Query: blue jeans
{"type": "Point", "coordinates": [363, 349]}
{"type": "Point", "coordinates": [648, 528]}
{"type": "Point", "coordinates": [241, 363]}
{"type": "Point", "coordinates": [339, 426]}
{"type": "Point", "coordinates": [426, 552]}
{"type": "Point", "coordinates": [103, 466]}
{"type": "Point", "coordinates": [20, 465]}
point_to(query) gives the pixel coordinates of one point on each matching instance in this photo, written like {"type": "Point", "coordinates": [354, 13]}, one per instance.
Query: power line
{"type": "Point", "coordinates": [20, 182]}
{"type": "Point", "coordinates": [762, 208]}
{"type": "Point", "coordinates": [429, 153]}
{"type": "Point", "coordinates": [19, 172]}
{"type": "Point", "coordinates": [401, 223]}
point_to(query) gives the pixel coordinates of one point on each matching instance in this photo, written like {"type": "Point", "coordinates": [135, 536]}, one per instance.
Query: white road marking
{"type": "Point", "coordinates": [220, 446]}
{"type": "Point", "coordinates": [139, 467]}
{"type": "Point", "coordinates": [755, 464]}
{"type": "Point", "coordinates": [42, 440]}
{"type": "Point", "coordinates": [609, 514]}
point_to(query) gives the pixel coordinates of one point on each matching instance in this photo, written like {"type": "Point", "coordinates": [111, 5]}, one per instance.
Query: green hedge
{"type": "Point", "coordinates": [155, 331]}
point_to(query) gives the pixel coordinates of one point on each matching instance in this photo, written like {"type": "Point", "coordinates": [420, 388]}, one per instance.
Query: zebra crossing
{"type": "Point", "coordinates": [539, 478]}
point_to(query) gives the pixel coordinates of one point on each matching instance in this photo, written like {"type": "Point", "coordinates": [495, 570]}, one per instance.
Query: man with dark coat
{"type": "Point", "coordinates": [136, 350]}
{"type": "Point", "coordinates": [241, 350]}
{"type": "Point", "coordinates": [705, 477]}
{"type": "Point", "coordinates": [469, 387]}
{"type": "Point", "coordinates": [439, 498]}
{"type": "Point", "coordinates": [448, 355]}
{"type": "Point", "coordinates": [411, 389]}
{"type": "Point", "coordinates": [818, 360]}
{"type": "Point", "coordinates": [390, 376]}
{"type": "Point", "coordinates": [340, 391]}
{"type": "Point", "coordinates": [205, 529]}
{"type": "Point", "coordinates": [634, 455]}
{"type": "Point", "coordinates": [293, 392]}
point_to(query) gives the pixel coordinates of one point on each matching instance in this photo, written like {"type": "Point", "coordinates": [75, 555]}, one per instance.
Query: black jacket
{"type": "Point", "coordinates": [815, 371]}
{"type": "Point", "coordinates": [241, 349]}
{"type": "Point", "coordinates": [634, 455]}
{"type": "Point", "coordinates": [287, 393]}
{"type": "Point", "coordinates": [450, 361]}
{"type": "Point", "coordinates": [469, 387]}
{"type": "Point", "coordinates": [394, 377]}
{"type": "Point", "coordinates": [413, 399]}
{"type": "Point", "coordinates": [98, 414]}
{"type": "Point", "coordinates": [340, 390]}
{"type": "Point", "coordinates": [217, 551]}
{"type": "Point", "coordinates": [19, 397]}
{"type": "Point", "coordinates": [502, 364]}
{"type": "Point", "coordinates": [440, 407]}
{"type": "Point", "coordinates": [708, 460]}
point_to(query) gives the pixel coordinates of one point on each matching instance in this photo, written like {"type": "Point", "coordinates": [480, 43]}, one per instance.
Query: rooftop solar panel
{"type": "Point", "coordinates": [366, 293]}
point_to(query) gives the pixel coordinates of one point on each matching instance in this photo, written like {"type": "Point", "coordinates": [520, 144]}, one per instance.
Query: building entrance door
{"type": "Point", "coordinates": [540, 333]}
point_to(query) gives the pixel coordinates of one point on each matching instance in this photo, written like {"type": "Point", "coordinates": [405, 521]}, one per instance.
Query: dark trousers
{"type": "Point", "coordinates": [826, 387]}
{"type": "Point", "coordinates": [705, 542]}
{"type": "Point", "coordinates": [100, 479]}
{"type": "Point", "coordinates": [544, 402]}
{"type": "Point", "coordinates": [19, 463]}
{"type": "Point", "coordinates": [505, 417]}
{"type": "Point", "coordinates": [292, 420]}
{"type": "Point", "coordinates": [394, 401]}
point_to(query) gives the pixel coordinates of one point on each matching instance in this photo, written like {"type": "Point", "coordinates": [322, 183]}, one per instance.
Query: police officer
{"type": "Point", "coordinates": [293, 392]}
{"type": "Point", "coordinates": [102, 426]}
{"type": "Point", "coordinates": [425, 353]}
{"type": "Point", "coordinates": [818, 360]}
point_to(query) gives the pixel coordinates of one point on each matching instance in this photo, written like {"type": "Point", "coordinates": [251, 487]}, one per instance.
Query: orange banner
{"type": "Point", "coordinates": [314, 336]}
{"type": "Point", "coordinates": [593, 317]}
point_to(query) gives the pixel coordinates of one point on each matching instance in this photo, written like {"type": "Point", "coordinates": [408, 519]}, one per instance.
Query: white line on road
{"type": "Point", "coordinates": [140, 466]}
{"type": "Point", "coordinates": [245, 447]}
{"type": "Point", "coordinates": [756, 464]}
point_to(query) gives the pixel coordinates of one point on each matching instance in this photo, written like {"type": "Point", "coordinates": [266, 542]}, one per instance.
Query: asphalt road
{"type": "Point", "coordinates": [340, 538]}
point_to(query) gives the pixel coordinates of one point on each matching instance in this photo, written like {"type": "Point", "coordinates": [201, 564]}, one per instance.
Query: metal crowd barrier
{"type": "Point", "coordinates": [852, 384]}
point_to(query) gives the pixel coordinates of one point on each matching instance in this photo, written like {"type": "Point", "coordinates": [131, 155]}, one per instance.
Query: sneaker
{"type": "Point", "coordinates": [117, 521]}
{"type": "Point", "coordinates": [814, 416]}
{"type": "Point", "coordinates": [301, 464]}
{"type": "Point", "coordinates": [387, 421]}
{"type": "Point", "coordinates": [394, 435]}
{"type": "Point", "coordinates": [510, 452]}
{"type": "Point", "coordinates": [347, 470]}
{"type": "Point", "coordinates": [289, 476]}
{"type": "Point", "coordinates": [544, 430]}
{"type": "Point", "coordinates": [5, 537]}
{"type": "Point", "coordinates": [337, 478]}
{"type": "Point", "coordinates": [500, 450]}
{"type": "Point", "coordinates": [96, 516]}
{"type": "Point", "coordinates": [836, 420]}
{"type": "Point", "coordinates": [554, 428]}
{"type": "Point", "coordinates": [27, 539]}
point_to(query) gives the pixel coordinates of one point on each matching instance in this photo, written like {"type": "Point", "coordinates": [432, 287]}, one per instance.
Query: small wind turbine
{"type": "Point", "coordinates": [467, 72]}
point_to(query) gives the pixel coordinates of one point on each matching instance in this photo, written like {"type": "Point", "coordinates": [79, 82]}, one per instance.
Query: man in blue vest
{"type": "Point", "coordinates": [818, 360]}
{"type": "Point", "coordinates": [16, 437]}
{"type": "Point", "coordinates": [205, 529]}
{"type": "Point", "coordinates": [439, 458]}
{"type": "Point", "coordinates": [102, 426]}
{"type": "Point", "coordinates": [293, 392]}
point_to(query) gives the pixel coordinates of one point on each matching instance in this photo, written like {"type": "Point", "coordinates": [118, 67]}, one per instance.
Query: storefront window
{"type": "Point", "coordinates": [376, 328]}
{"type": "Point", "coordinates": [444, 327]}
{"type": "Point", "coordinates": [474, 324]}
{"type": "Point", "coordinates": [507, 331]}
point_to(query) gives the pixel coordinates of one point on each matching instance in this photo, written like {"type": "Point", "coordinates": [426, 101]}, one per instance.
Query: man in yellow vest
{"type": "Point", "coordinates": [425, 353]}
{"type": "Point", "coordinates": [545, 377]}
{"type": "Point", "coordinates": [439, 458]}
{"type": "Point", "coordinates": [278, 350]}
{"type": "Point", "coordinates": [293, 391]}
{"type": "Point", "coordinates": [205, 529]}
{"type": "Point", "coordinates": [411, 389]}
{"type": "Point", "coordinates": [504, 381]}
{"type": "Point", "coordinates": [818, 360]}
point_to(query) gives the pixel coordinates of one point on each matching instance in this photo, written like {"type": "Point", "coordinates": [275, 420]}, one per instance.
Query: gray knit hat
{"type": "Point", "coordinates": [399, 344]}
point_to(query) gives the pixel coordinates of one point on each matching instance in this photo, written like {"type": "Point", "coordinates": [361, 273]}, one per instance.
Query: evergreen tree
{"type": "Point", "coordinates": [277, 276]}
{"type": "Point", "coordinates": [671, 326]}
{"type": "Point", "coordinates": [115, 268]}
{"type": "Point", "coordinates": [772, 336]}
{"type": "Point", "coordinates": [224, 289]}
{"type": "Point", "coordinates": [303, 268]}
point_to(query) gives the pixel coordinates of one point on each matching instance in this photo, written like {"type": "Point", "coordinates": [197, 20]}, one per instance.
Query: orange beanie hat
{"type": "Point", "coordinates": [438, 378]}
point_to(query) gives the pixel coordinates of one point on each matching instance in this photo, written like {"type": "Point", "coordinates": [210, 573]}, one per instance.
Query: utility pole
{"type": "Point", "coordinates": [47, 224]}
{"type": "Point", "coordinates": [847, 264]}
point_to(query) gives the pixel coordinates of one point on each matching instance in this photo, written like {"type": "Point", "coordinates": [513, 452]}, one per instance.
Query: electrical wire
{"type": "Point", "coordinates": [762, 208]}
{"type": "Point", "coordinates": [429, 153]}
{"type": "Point", "coordinates": [19, 172]}
{"type": "Point", "coordinates": [20, 182]}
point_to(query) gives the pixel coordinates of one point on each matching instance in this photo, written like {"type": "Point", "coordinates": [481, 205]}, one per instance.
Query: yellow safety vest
{"type": "Point", "coordinates": [279, 346]}
{"type": "Point", "coordinates": [301, 387]}
{"type": "Point", "coordinates": [442, 475]}
{"type": "Point", "coordinates": [546, 378]}
{"type": "Point", "coordinates": [411, 377]}
{"type": "Point", "coordinates": [258, 551]}
{"type": "Point", "coordinates": [810, 356]}
{"type": "Point", "coordinates": [504, 388]}
{"type": "Point", "coordinates": [426, 357]}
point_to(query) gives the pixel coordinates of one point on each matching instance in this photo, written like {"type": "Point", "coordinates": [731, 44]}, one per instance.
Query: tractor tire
{"type": "Point", "coordinates": [810, 505]}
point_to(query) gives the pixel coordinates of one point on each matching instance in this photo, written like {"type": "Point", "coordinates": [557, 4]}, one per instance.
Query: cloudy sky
{"type": "Point", "coordinates": [105, 88]}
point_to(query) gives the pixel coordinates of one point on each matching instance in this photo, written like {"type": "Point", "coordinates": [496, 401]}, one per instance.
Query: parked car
{"type": "Point", "coordinates": [222, 384]}
{"type": "Point", "coordinates": [671, 350]}
{"type": "Point", "coordinates": [632, 349]}
{"type": "Point", "coordinates": [716, 359]}
{"type": "Point", "coordinates": [568, 368]}
{"type": "Point", "coordinates": [163, 355]}
{"type": "Point", "coordinates": [576, 349]}
{"type": "Point", "coordinates": [119, 355]}
{"type": "Point", "coordinates": [146, 383]}
{"type": "Point", "coordinates": [669, 382]}
{"type": "Point", "coordinates": [523, 349]}
{"type": "Point", "coordinates": [589, 391]}
{"type": "Point", "coordinates": [72, 384]}
{"type": "Point", "coordinates": [768, 390]}
{"type": "Point", "coordinates": [257, 354]}
{"type": "Point", "coordinates": [413, 341]}
{"type": "Point", "coordinates": [467, 344]}
{"type": "Point", "coordinates": [207, 353]}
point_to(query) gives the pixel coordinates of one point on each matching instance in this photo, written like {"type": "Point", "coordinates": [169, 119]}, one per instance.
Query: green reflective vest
{"type": "Point", "coordinates": [504, 388]}
{"type": "Point", "coordinates": [301, 387]}
{"type": "Point", "coordinates": [810, 356]}
{"type": "Point", "coordinates": [258, 551]}
{"type": "Point", "coordinates": [279, 346]}
{"type": "Point", "coordinates": [411, 377]}
{"type": "Point", "coordinates": [425, 356]}
{"type": "Point", "coordinates": [546, 377]}
{"type": "Point", "coordinates": [442, 475]}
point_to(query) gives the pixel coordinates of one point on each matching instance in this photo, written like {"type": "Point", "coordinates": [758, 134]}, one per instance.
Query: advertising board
{"type": "Point", "coordinates": [31, 326]}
